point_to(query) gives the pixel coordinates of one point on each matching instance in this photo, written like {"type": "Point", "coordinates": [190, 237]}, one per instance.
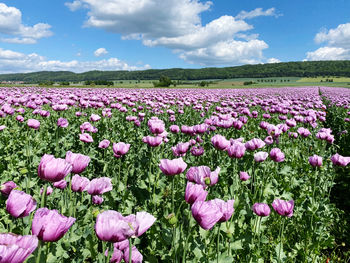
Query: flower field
{"type": "Point", "coordinates": [169, 175]}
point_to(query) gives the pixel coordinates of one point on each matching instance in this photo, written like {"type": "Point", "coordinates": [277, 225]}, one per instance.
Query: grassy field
{"type": "Point", "coordinates": [227, 83]}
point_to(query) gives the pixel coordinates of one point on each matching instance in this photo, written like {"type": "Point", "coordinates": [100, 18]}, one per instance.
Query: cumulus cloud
{"type": "Point", "coordinates": [329, 53]}
{"type": "Point", "coordinates": [257, 12]}
{"type": "Point", "coordinates": [337, 44]}
{"type": "Point", "coordinates": [100, 52]}
{"type": "Point", "coordinates": [16, 32]}
{"type": "Point", "coordinates": [14, 62]}
{"type": "Point", "coordinates": [273, 60]}
{"type": "Point", "coordinates": [177, 25]}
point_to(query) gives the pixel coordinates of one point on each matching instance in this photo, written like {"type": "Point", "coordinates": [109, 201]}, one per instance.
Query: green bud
{"type": "Point", "coordinates": [207, 181]}
{"type": "Point", "coordinates": [172, 219]}
{"type": "Point", "coordinates": [95, 213]}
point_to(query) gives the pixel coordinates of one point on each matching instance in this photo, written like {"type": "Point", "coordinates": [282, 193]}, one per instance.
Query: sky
{"type": "Point", "coordinates": [84, 35]}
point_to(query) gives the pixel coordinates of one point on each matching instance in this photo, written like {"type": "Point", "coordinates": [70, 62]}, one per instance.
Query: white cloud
{"type": "Point", "coordinates": [11, 25]}
{"type": "Point", "coordinates": [100, 52]}
{"type": "Point", "coordinates": [177, 25]}
{"type": "Point", "coordinates": [273, 60]}
{"type": "Point", "coordinates": [75, 5]}
{"type": "Point", "coordinates": [227, 52]}
{"type": "Point", "coordinates": [257, 12]}
{"type": "Point", "coordinates": [338, 37]}
{"type": "Point", "coordinates": [329, 53]}
{"type": "Point", "coordinates": [337, 44]}
{"type": "Point", "coordinates": [220, 29]}
{"type": "Point", "coordinates": [14, 62]}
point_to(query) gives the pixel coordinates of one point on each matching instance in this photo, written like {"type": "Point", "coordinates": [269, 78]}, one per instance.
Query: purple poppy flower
{"type": "Point", "coordinates": [195, 192]}
{"type": "Point", "coordinates": [53, 169]}
{"type": "Point", "coordinates": [261, 209]}
{"type": "Point", "coordinates": [33, 123]}
{"type": "Point", "coordinates": [78, 161]}
{"type": "Point", "coordinates": [203, 175]}
{"type": "Point", "coordinates": [283, 208]}
{"type": "Point", "coordinates": [260, 156]}
{"type": "Point", "coordinates": [85, 137]}
{"type": "Point", "coordinates": [7, 187]}
{"type": "Point", "coordinates": [136, 256]}
{"type": "Point", "coordinates": [339, 160]}
{"type": "Point", "coordinates": [244, 176]}
{"type": "Point", "coordinates": [206, 213]}
{"type": "Point", "coordinates": [277, 155]}
{"type": "Point", "coordinates": [79, 183]}
{"type": "Point", "coordinates": [220, 142]}
{"type": "Point", "coordinates": [20, 204]}
{"type": "Point", "coordinates": [315, 160]}
{"type": "Point", "coordinates": [104, 144]}
{"type": "Point", "coordinates": [172, 167]}
{"type": "Point", "coordinates": [98, 186]}
{"type": "Point", "coordinates": [15, 248]}
{"type": "Point", "coordinates": [49, 225]}
{"type": "Point", "coordinates": [62, 122]}
{"type": "Point", "coordinates": [120, 149]}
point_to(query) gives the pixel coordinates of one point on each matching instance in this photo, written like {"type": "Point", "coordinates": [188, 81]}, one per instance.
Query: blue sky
{"type": "Point", "coordinates": [83, 35]}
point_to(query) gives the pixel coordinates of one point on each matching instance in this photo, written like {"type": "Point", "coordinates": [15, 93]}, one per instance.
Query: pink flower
{"type": "Point", "coordinates": [236, 150]}
{"type": "Point", "coordinates": [277, 155]}
{"type": "Point", "coordinates": [85, 137]}
{"type": "Point", "coordinates": [53, 169]}
{"type": "Point", "coordinates": [195, 192]}
{"type": "Point", "coordinates": [315, 160]}
{"type": "Point", "coordinates": [78, 161]}
{"type": "Point", "coordinates": [7, 187]}
{"type": "Point", "coordinates": [49, 225]}
{"type": "Point", "coordinates": [172, 167]}
{"type": "Point", "coordinates": [136, 256]}
{"type": "Point", "coordinates": [203, 175]}
{"type": "Point", "coordinates": [98, 186]}
{"type": "Point", "coordinates": [283, 208]}
{"type": "Point", "coordinates": [104, 144]}
{"type": "Point", "coordinates": [62, 122]}
{"type": "Point", "coordinates": [20, 204]}
{"type": "Point", "coordinates": [254, 144]}
{"type": "Point", "coordinates": [260, 156]}
{"type": "Point", "coordinates": [220, 142]}
{"type": "Point", "coordinates": [33, 123]}
{"type": "Point", "coordinates": [261, 209]}
{"type": "Point", "coordinates": [15, 248]}
{"type": "Point", "coordinates": [244, 176]}
{"type": "Point", "coordinates": [226, 208]}
{"type": "Point", "coordinates": [79, 184]}
{"type": "Point", "coordinates": [206, 213]}
{"type": "Point", "coordinates": [339, 160]}
{"type": "Point", "coordinates": [60, 184]}
{"type": "Point", "coordinates": [120, 149]}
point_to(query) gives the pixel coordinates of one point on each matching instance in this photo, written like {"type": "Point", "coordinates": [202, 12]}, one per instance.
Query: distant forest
{"type": "Point", "coordinates": [288, 69]}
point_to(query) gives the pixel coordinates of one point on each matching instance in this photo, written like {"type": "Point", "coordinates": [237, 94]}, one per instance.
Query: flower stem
{"type": "Point", "coordinates": [43, 197]}
{"type": "Point", "coordinates": [281, 243]}
{"type": "Point", "coordinates": [130, 250]}
{"type": "Point", "coordinates": [217, 244]}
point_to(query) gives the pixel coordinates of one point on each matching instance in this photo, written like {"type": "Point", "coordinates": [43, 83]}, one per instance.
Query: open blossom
{"type": "Point", "coordinates": [236, 150]}
{"type": "Point", "coordinates": [104, 144]}
{"type": "Point", "coordinates": [315, 160]}
{"type": "Point", "coordinates": [156, 126]}
{"type": "Point", "coordinates": [49, 225]}
{"type": "Point", "coordinates": [15, 248]}
{"type": "Point", "coordinates": [220, 142]}
{"type": "Point", "coordinates": [277, 155]}
{"type": "Point", "coordinates": [195, 192]}
{"type": "Point", "coordinates": [78, 161]}
{"type": "Point", "coordinates": [254, 144]}
{"type": "Point", "coordinates": [53, 169]}
{"type": "Point", "coordinates": [98, 186]}
{"type": "Point", "coordinates": [120, 149]}
{"type": "Point", "coordinates": [206, 213]}
{"type": "Point", "coordinates": [33, 123]}
{"type": "Point", "coordinates": [85, 137]}
{"type": "Point", "coordinates": [111, 226]}
{"type": "Point", "coordinates": [261, 209]}
{"type": "Point", "coordinates": [7, 187]}
{"type": "Point", "coordinates": [243, 176]}
{"type": "Point", "coordinates": [203, 175]}
{"type": "Point", "coordinates": [79, 183]}
{"type": "Point", "coordinates": [94, 117]}
{"type": "Point", "coordinates": [180, 149]}
{"type": "Point", "coordinates": [172, 167]}
{"type": "Point", "coordinates": [283, 208]}
{"type": "Point", "coordinates": [226, 208]}
{"type": "Point", "coordinates": [339, 160]}
{"type": "Point", "coordinates": [62, 122]}
{"type": "Point", "coordinates": [153, 141]}
{"type": "Point", "coordinates": [260, 156]}
{"type": "Point", "coordinates": [20, 204]}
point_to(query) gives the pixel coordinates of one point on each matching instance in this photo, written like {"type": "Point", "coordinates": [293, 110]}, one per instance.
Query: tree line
{"type": "Point", "coordinates": [285, 69]}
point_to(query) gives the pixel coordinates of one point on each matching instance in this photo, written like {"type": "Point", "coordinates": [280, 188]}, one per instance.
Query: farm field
{"type": "Point", "coordinates": [174, 175]}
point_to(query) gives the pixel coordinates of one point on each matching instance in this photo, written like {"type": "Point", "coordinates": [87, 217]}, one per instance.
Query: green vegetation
{"type": "Point", "coordinates": [304, 69]}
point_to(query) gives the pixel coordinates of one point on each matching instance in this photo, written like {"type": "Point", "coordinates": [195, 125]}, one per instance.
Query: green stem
{"type": "Point", "coordinates": [38, 255]}
{"type": "Point", "coordinates": [217, 244]}
{"type": "Point", "coordinates": [130, 250]}
{"type": "Point", "coordinates": [188, 236]}
{"type": "Point", "coordinates": [43, 196]}
{"type": "Point", "coordinates": [281, 243]}
{"type": "Point", "coordinates": [172, 194]}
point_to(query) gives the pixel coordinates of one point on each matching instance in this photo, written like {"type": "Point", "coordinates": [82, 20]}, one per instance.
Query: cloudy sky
{"type": "Point", "coordinates": [83, 35]}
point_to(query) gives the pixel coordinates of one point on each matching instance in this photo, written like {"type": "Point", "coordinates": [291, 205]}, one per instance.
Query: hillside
{"type": "Point", "coordinates": [286, 69]}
